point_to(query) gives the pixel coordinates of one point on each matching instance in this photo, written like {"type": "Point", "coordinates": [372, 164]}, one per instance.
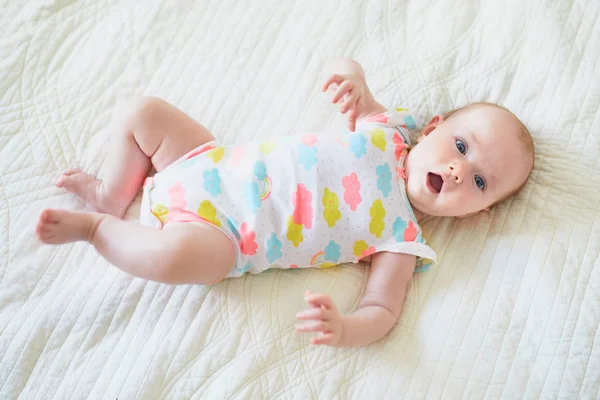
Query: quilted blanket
{"type": "Point", "coordinates": [512, 309]}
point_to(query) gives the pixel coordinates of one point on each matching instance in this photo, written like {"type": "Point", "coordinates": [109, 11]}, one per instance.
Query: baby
{"type": "Point", "coordinates": [212, 212]}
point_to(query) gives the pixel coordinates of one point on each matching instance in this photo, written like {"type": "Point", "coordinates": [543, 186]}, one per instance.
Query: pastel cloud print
{"type": "Point", "coordinates": [351, 191]}
{"type": "Point", "coordinates": [309, 139]}
{"type": "Point", "coordinates": [212, 181]}
{"type": "Point", "coordinates": [236, 155]}
{"type": "Point", "coordinates": [294, 232]}
{"type": "Point", "coordinates": [332, 252]}
{"type": "Point", "coordinates": [331, 213]}
{"type": "Point", "coordinates": [361, 249]}
{"type": "Point", "coordinates": [378, 139]}
{"type": "Point", "coordinates": [303, 210]}
{"type": "Point", "coordinates": [260, 170]}
{"type": "Point", "coordinates": [252, 196]}
{"type": "Point", "coordinates": [273, 248]}
{"type": "Point", "coordinates": [384, 179]}
{"type": "Point", "coordinates": [404, 232]}
{"type": "Point", "coordinates": [358, 145]}
{"type": "Point", "coordinates": [248, 243]}
{"type": "Point", "coordinates": [216, 154]}
{"type": "Point", "coordinates": [209, 212]}
{"type": "Point", "coordinates": [377, 224]}
{"type": "Point", "coordinates": [307, 156]}
{"type": "Point", "coordinates": [177, 196]}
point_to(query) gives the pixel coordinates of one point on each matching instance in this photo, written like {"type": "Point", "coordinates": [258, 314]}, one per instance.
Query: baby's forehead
{"type": "Point", "coordinates": [489, 112]}
{"type": "Point", "coordinates": [490, 123]}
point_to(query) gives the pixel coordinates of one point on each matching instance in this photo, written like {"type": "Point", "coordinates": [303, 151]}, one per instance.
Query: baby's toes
{"type": "Point", "coordinates": [60, 182]}
{"type": "Point", "coordinates": [49, 216]}
{"type": "Point", "coordinates": [71, 171]}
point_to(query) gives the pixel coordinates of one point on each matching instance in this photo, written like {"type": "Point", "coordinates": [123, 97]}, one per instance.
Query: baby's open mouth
{"type": "Point", "coordinates": [435, 182]}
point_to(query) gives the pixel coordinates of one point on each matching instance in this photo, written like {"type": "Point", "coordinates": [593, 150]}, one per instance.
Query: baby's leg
{"type": "Point", "coordinates": [192, 252]}
{"type": "Point", "coordinates": [154, 134]}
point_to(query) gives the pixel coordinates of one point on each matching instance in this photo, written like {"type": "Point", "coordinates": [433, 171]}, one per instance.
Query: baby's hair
{"type": "Point", "coordinates": [524, 136]}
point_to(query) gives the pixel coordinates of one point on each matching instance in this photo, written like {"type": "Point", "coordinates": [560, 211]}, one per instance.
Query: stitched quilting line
{"type": "Point", "coordinates": [470, 279]}
{"type": "Point", "coordinates": [586, 284]}
{"type": "Point", "coordinates": [91, 355]}
{"type": "Point", "coordinates": [572, 51]}
{"type": "Point", "coordinates": [33, 331]}
{"type": "Point", "coordinates": [271, 97]}
{"type": "Point", "coordinates": [157, 350]}
{"type": "Point", "coordinates": [276, 363]}
{"type": "Point", "coordinates": [4, 268]}
{"type": "Point", "coordinates": [167, 384]}
{"type": "Point", "coordinates": [496, 299]}
{"type": "Point", "coordinates": [487, 279]}
{"type": "Point", "coordinates": [535, 291]}
{"type": "Point", "coordinates": [434, 283]}
{"type": "Point", "coordinates": [209, 79]}
{"type": "Point", "coordinates": [541, 272]}
{"type": "Point", "coordinates": [141, 344]}
{"type": "Point", "coordinates": [83, 253]}
{"type": "Point", "coordinates": [64, 338]}
{"type": "Point", "coordinates": [465, 246]}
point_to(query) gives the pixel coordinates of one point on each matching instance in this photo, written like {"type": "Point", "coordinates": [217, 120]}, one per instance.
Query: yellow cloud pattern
{"type": "Point", "coordinates": [216, 154]}
{"type": "Point", "coordinates": [160, 212]}
{"type": "Point", "coordinates": [294, 233]}
{"type": "Point", "coordinates": [327, 265]}
{"type": "Point", "coordinates": [377, 215]}
{"type": "Point", "coordinates": [209, 212]}
{"type": "Point", "coordinates": [359, 247]}
{"type": "Point", "coordinates": [267, 147]}
{"type": "Point", "coordinates": [331, 213]}
{"type": "Point", "coordinates": [378, 139]}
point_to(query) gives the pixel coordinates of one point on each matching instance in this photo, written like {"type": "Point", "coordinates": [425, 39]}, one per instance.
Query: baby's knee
{"type": "Point", "coordinates": [144, 110]}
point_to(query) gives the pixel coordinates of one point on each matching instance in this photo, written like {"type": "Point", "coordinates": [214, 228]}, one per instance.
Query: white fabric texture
{"type": "Point", "coordinates": [511, 309]}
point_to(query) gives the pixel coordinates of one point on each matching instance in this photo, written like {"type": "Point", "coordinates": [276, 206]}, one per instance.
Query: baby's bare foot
{"type": "Point", "coordinates": [90, 190]}
{"type": "Point", "coordinates": [62, 226]}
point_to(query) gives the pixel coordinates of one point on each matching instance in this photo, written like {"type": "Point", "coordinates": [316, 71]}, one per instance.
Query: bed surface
{"type": "Point", "coordinates": [511, 310]}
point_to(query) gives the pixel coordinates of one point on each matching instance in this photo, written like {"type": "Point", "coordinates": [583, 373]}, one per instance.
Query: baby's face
{"type": "Point", "coordinates": [466, 163]}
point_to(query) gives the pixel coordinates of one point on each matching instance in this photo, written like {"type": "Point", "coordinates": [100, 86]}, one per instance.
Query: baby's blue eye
{"type": "Point", "coordinates": [461, 146]}
{"type": "Point", "coordinates": [480, 182]}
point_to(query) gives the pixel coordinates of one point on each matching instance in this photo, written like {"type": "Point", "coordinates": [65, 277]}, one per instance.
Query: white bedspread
{"type": "Point", "coordinates": [513, 307]}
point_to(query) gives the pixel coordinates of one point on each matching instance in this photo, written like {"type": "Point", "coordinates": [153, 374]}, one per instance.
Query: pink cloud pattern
{"type": "Point", "coordinates": [352, 190]}
{"type": "Point", "coordinates": [303, 211]}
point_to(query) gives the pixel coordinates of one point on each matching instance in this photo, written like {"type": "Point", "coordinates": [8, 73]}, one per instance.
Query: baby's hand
{"type": "Point", "coordinates": [352, 89]}
{"type": "Point", "coordinates": [323, 317]}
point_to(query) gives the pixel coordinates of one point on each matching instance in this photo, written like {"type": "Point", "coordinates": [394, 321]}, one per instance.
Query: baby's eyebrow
{"type": "Point", "coordinates": [489, 178]}
{"type": "Point", "coordinates": [492, 179]}
{"type": "Point", "coordinates": [474, 137]}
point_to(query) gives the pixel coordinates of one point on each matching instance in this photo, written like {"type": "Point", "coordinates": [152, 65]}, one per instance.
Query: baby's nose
{"type": "Point", "coordinates": [456, 172]}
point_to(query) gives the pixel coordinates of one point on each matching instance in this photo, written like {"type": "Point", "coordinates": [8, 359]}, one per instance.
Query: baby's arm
{"type": "Point", "coordinates": [350, 78]}
{"type": "Point", "coordinates": [377, 312]}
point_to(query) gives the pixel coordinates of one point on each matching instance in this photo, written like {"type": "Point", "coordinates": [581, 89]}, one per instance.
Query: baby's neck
{"type": "Point", "coordinates": [419, 215]}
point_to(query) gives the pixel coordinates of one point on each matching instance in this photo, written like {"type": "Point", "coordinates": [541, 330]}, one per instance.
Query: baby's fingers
{"type": "Point", "coordinates": [320, 300]}
{"type": "Point", "coordinates": [351, 101]}
{"type": "Point", "coordinates": [313, 326]}
{"type": "Point", "coordinates": [344, 88]}
{"type": "Point", "coordinates": [335, 78]}
{"type": "Point", "coordinates": [313, 313]}
{"type": "Point", "coordinates": [323, 339]}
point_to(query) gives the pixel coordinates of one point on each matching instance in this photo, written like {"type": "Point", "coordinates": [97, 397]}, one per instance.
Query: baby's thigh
{"type": "Point", "coordinates": [201, 253]}
{"type": "Point", "coordinates": [165, 133]}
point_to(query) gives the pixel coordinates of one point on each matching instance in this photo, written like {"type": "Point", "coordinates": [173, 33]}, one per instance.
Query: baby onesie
{"type": "Point", "coordinates": [298, 201]}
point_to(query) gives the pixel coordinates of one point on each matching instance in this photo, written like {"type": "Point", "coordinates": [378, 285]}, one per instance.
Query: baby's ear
{"type": "Point", "coordinates": [427, 129]}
